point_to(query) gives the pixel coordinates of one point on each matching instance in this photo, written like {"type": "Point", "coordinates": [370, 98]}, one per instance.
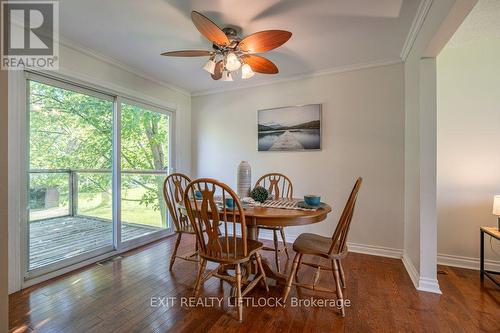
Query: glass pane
{"type": "Point", "coordinates": [144, 139]}
{"type": "Point", "coordinates": [141, 210]}
{"type": "Point", "coordinates": [144, 160]}
{"type": "Point", "coordinates": [69, 132]}
{"type": "Point", "coordinates": [94, 195]}
{"type": "Point", "coordinates": [49, 195]}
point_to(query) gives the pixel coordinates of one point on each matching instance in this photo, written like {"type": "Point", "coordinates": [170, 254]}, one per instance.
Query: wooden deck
{"type": "Point", "coordinates": [60, 238]}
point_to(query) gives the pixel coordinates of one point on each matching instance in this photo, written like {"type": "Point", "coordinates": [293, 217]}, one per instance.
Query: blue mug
{"type": "Point", "coordinates": [197, 194]}
{"type": "Point", "coordinates": [312, 200]}
{"type": "Point", "coordinates": [229, 202]}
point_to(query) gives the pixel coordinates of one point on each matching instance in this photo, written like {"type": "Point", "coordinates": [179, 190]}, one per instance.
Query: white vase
{"type": "Point", "coordinates": [244, 179]}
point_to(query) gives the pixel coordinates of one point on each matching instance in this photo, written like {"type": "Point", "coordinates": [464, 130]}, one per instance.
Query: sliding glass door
{"type": "Point", "coordinates": [70, 141]}
{"type": "Point", "coordinates": [144, 167]}
{"type": "Point", "coordinates": [96, 168]}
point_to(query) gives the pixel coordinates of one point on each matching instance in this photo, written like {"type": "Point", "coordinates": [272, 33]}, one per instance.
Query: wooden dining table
{"type": "Point", "coordinates": [263, 216]}
{"type": "Point", "coordinates": [256, 216]}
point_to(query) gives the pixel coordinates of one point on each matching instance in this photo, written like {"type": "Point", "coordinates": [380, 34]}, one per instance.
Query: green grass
{"type": "Point", "coordinates": [98, 205]}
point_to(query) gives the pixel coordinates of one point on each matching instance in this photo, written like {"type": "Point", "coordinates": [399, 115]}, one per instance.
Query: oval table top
{"type": "Point", "coordinates": [285, 217]}
{"type": "Point", "coordinates": [281, 217]}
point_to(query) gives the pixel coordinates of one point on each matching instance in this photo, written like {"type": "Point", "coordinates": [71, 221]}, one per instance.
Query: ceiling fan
{"type": "Point", "coordinates": [230, 53]}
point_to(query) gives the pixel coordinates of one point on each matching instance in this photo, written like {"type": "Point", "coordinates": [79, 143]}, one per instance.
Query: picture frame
{"type": "Point", "coordinates": [289, 128]}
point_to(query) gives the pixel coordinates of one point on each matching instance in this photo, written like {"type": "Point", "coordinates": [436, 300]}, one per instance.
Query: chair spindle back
{"type": "Point", "coordinates": [278, 185]}
{"type": "Point", "coordinates": [173, 192]}
{"type": "Point", "coordinates": [214, 222]}
{"type": "Point", "coordinates": [339, 237]}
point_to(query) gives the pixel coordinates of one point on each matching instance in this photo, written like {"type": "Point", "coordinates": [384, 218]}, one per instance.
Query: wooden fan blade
{"type": "Point", "coordinates": [218, 70]}
{"type": "Point", "coordinates": [187, 53]}
{"type": "Point", "coordinates": [260, 64]}
{"type": "Point", "coordinates": [209, 29]}
{"type": "Point", "coordinates": [264, 41]}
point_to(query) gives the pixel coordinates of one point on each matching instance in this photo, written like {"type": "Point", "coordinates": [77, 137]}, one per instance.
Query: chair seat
{"type": "Point", "coordinates": [317, 245]}
{"type": "Point", "coordinates": [252, 247]}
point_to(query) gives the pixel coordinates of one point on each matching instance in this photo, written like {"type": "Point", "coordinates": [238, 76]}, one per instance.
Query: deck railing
{"type": "Point", "coordinates": [73, 176]}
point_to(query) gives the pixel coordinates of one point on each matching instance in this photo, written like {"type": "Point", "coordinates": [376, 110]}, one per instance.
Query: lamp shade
{"type": "Point", "coordinates": [246, 71]}
{"type": "Point", "coordinates": [496, 205]}
{"type": "Point", "coordinates": [232, 62]}
{"type": "Point", "coordinates": [210, 66]}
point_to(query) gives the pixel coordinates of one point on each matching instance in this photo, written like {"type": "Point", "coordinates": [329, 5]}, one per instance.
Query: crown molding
{"type": "Point", "coordinates": [330, 71]}
{"type": "Point", "coordinates": [418, 21]}
{"type": "Point", "coordinates": [117, 63]}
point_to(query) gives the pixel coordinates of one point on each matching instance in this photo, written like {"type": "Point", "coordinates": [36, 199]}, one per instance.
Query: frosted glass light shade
{"type": "Point", "coordinates": [246, 71]}
{"type": "Point", "coordinates": [496, 205]}
{"type": "Point", "coordinates": [232, 62]}
{"type": "Point", "coordinates": [210, 66]}
{"type": "Point", "coordinates": [226, 76]}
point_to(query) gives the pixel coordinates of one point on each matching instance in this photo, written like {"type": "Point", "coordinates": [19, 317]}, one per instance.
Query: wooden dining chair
{"type": "Point", "coordinates": [173, 193]}
{"type": "Point", "coordinates": [279, 186]}
{"type": "Point", "coordinates": [333, 249]}
{"type": "Point", "coordinates": [216, 227]}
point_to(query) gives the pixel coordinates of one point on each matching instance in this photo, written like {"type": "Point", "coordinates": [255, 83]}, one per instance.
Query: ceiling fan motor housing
{"type": "Point", "coordinates": [230, 32]}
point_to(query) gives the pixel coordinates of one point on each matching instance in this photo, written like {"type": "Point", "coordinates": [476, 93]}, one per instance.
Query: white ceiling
{"type": "Point", "coordinates": [483, 22]}
{"type": "Point", "coordinates": [327, 34]}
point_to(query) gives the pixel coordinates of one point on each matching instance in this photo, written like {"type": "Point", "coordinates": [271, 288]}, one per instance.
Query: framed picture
{"type": "Point", "coordinates": [291, 128]}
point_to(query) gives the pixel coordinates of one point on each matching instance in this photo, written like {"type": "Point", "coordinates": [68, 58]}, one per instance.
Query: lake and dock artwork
{"type": "Point", "coordinates": [293, 128]}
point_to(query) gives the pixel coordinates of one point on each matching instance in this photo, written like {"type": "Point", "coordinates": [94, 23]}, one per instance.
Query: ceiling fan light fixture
{"type": "Point", "coordinates": [246, 71]}
{"type": "Point", "coordinates": [210, 65]}
{"type": "Point", "coordinates": [226, 76]}
{"type": "Point", "coordinates": [232, 62]}
{"type": "Point", "coordinates": [234, 53]}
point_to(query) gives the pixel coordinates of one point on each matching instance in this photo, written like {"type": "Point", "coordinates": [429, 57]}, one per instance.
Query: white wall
{"type": "Point", "coordinates": [363, 135]}
{"type": "Point", "coordinates": [468, 148]}
{"type": "Point", "coordinates": [88, 67]}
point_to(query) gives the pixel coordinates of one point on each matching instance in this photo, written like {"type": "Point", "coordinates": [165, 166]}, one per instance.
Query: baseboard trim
{"type": "Point", "coordinates": [420, 283]}
{"type": "Point", "coordinates": [429, 285]}
{"type": "Point", "coordinates": [466, 262]}
{"type": "Point", "coordinates": [411, 270]}
{"type": "Point", "coordinates": [373, 250]}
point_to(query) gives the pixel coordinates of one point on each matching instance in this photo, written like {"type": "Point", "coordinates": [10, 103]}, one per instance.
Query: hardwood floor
{"type": "Point", "coordinates": [117, 296]}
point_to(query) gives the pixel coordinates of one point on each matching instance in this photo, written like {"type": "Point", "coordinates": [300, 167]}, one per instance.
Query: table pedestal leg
{"type": "Point", "coordinates": [253, 234]}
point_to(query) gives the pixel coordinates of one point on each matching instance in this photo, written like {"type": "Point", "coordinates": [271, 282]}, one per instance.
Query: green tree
{"type": "Point", "coordinates": [70, 130]}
